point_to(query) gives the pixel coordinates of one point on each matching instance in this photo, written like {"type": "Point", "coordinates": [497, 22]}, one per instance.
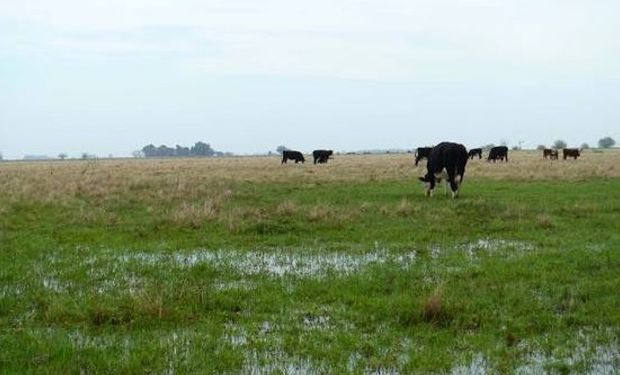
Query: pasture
{"type": "Point", "coordinates": [244, 265]}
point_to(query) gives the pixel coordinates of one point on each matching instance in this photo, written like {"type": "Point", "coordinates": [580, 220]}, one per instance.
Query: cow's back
{"type": "Point", "coordinates": [498, 152]}
{"type": "Point", "coordinates": [446, 154]}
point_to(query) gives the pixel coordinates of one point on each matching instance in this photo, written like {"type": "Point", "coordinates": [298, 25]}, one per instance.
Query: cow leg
{"type": "Point", "coordinates": [452, 178]}
{"type": "Point", "coordinates": [430, 185]}
{"type": "Point", "coordinates": [454, 186]}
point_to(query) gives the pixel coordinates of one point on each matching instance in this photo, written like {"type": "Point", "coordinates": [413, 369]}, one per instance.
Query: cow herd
{"type": "Point", "coordinates": [445, 161]}
{"type": "Point", "coordinates": [319, 156]}
{"type": "Point", "coordinates": [553, 154]}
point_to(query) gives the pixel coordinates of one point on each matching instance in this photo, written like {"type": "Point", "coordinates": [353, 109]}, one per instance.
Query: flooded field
{"type": "Point", "coordinates": [238, 266]}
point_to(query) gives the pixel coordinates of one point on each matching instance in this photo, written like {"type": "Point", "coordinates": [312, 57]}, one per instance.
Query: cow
{"type": "Point", "coordinates": [550, 153]}
{"type": "Point", "coordinates": [292, 155]}
{"type": "Point", "coordinates": [499, 152]}
{"type": "Point", "coordinates": [475, 151]}
{"type": "Point", "coordinates": [321, 156]}
{"type": "Point", "coordinates": [571, 153]}
{"type": "Point", "coordinates": [421, 153]}
{"type": "Point", "coordinates": [446, 160]}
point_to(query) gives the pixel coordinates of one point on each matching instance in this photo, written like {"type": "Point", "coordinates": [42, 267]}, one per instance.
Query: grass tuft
{"type": "Point", "coordinates": [434, 310]}
{"type": "Point", "coordinates": [545, 221]}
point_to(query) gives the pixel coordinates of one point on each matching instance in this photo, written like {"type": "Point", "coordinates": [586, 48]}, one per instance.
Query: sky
{"type": "Point", "coordinates": [110, 76]}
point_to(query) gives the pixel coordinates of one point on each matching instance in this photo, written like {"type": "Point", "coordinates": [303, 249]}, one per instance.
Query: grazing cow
{"type": "Point", "coordinates": [550, 153]}
{"type": "Point", "coordinates": [292, 155]}
{"type": "Point", "coordinates": [571, 153]}
{"type": "Point", "coordinates": [499, 152]}
{"type": "Point", "coordinates": [321, 156]}
{"type": "Point", "coordinates": [475, 151]}
{"type": "Point", "coordinates": [447, 160]}
{"type": "Point", "coordinates": [421, 153]}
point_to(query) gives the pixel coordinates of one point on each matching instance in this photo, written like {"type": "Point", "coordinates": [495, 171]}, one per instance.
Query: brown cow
{"type": "Point", "coordinates": [571, 152]}
{"type": "Point", "coordinates": [550, 153]}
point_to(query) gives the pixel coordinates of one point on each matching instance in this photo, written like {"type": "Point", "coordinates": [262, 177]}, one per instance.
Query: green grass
{"type": "Point", "coordinates": [325, 277]}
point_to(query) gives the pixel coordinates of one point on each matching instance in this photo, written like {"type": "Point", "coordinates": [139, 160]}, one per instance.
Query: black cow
{"type": "Point", "coordinates": [321, 156]}
{"type": "Point", "coordinates": [550, 153]}
{"type": "Point", "coordinates": [292, 155]}
{"type": "Point", "coordinates": [421, 153]}
{"type": "Point", "coordinates": [447, 160]}
{"type": "Point", "coordinates": [475, 151]}
{"type": "Point", "coordinates": [571, 153]}
{"type": "Point", "coordinates": [499, 152]}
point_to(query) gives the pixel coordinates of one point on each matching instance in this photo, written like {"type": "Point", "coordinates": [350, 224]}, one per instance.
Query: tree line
{"type": "Point", "coordinates": [606, 142]}
{"type": "Point", "coordinates": [198, 149]}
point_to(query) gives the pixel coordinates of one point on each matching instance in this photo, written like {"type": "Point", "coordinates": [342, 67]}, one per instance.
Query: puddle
{"type": "Point", "coordinates": [113, 271]}
{"type": "Point", "coordinates": [353, 360]}
{"type": "Point", "coordinates": [598, 359]}
{"type": "Point", "coordinates": [316, 322]}
{"type": "Point", "coordinates": [494, 246]}
{"type": "Point", "coordinates": [278, 362]}
{"type": "Point", "coordinates": [275, 264]}
{"type": "Point", "coordinates": [583, 356]}
{"type": "Point", "coordinates": [11, 291]}
{"type": "Point", "coordinates": [382, 371]}
{"type": "Point", "coordinates": [477, 366]}
{"type": "Point", "coordinates": [267, 327]}
{"type": "Point", "coordinates": [53, 284]}
{"type": "Point", "coordinates": [82, 341]}
{"type": "Point", "coordinates": [237, 340]}
{"type": "Point", "coordinates": [234, 285]}
{"type": "Point", "coordinates": [180, 348]}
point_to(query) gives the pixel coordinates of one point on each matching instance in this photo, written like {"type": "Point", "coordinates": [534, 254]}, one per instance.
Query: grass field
{"type": "Point", "coordinates": [243, 265]}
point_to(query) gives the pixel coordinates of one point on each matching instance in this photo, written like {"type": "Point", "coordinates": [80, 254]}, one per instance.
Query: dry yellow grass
{"type": "Point", "coordinates": [201, 185]}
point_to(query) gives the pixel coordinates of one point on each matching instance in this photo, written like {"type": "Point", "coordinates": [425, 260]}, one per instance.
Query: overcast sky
{"type": "Point", "coordinates": [110, 76]}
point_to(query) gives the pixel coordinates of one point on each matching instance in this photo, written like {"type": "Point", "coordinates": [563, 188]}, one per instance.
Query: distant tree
{"type": "Point", "coordinates": [280, 149]}
{"type": "Point", "coordinates": [165, 151]}
{"type": "Point", "coordinates": [559, 144]}
{"type": "Point", "coordinates": [62, 156]}
{"type": "Point", "coordinates": [201, 149]}
{"type": "Point", "coordinates": [182, 151]}
{"type": "Point", "coordinates": [149, 150]}
{"type": "Point", "coordinates": [137, 154]}
{"type": "Point", "coordinates": [606, 142]}
{"type": "Point", "coordinates": [85, 155]}
{"type": "Point", "coordinates": [515, 148]}
{"type": "Point", "coordinates": [585, 146]}
{"type": "Point", "coordinates": [541, 147]}
{"type": "Point", "coordinates": [198, 149]}
{"type": "Point", "coordinates": [0, 156]}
